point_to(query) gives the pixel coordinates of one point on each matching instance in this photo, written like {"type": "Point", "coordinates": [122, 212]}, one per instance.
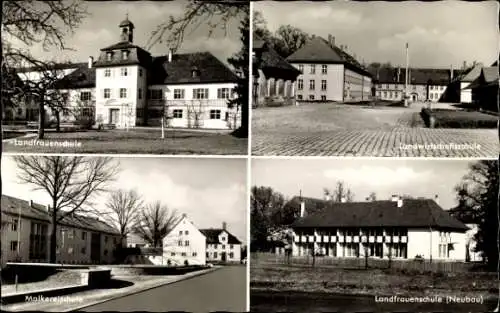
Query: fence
{"type": "Point", "coordinates": [361, 263]}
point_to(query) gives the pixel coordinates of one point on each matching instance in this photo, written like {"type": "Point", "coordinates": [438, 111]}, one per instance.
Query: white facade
{"type": "Point", "coordinates": [223, 251]}
{"type": "Point", "coordinates": [465, 94]}
{"type": "Point", "coordinates": [185, 244]}
{"type": "Point", "coordinates": [320, 82]}
{"type": "Point", "coordinates": [439, 245]}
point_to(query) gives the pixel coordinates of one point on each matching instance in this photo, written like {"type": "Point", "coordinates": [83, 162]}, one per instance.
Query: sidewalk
{"type": "Point", "coordinates": [91, 297]}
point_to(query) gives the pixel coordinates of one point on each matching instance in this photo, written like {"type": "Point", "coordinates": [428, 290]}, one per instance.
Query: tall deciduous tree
{"type": "Point", "coordinates": [71, 183]}
{"type": "Point", "coordinates": [155, 221]}
{"type": "Point", "coordinates": [478, 202]}
{"type": "Point", "coordinates": [124, 210]}
{"type": "Point", "coordinates": [28, 23]}
{"type": "Point", "coordinates": [340, 193]}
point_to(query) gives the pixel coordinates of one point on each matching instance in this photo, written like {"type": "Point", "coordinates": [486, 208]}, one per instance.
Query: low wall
{"type": "Point", "coordinates": [133, 270]}
{"type": "Point", "coordinates": [96, 277]}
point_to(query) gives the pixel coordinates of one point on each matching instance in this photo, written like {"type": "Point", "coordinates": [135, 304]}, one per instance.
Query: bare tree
{"type": "Point", "coordinates": [124, 207]}
{"type": "Point", "coordinates": [372, 197]}
{"type": "Point", "coordinates": [27, 23]}
{"type": "Point", "coordinates": [71, 183]}
{"type": "Point", "coordinates": [340, 193]}
{"type": "Point", "coordinates": [155, 221]}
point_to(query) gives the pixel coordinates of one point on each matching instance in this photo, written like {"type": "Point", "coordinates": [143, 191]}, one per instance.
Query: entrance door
{"type": "Point", "coordinates": [223, 256]}
{"type": "Point", "coordinates": [414, 97]}
{"type": "Point", "coordinates": [113, 116]}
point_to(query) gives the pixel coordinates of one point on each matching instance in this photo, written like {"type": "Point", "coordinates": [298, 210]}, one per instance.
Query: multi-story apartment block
{"type": "Point", "coordinates": [423, 84]}
{"type": "Point", "coordinates": [26, 229]}
{"type": "Point", "coordinates": [127, 86]}
{"type": "Point", "coordinates": [396, 228]}
{"type": "Point", "coordinates": [222, 246]}
{"type": "Point", "coordinates": [329, 73]}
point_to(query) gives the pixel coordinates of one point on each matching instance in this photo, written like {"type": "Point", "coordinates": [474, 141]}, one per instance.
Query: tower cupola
{"type": "Point", "coordinates": [127, 30]}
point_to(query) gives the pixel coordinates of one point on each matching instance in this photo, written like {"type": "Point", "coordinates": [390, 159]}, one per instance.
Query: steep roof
{"type": "Point", "coordinates": [212, 235]}
{"type": "Point", "coordinates": [490, 74]}
{"type": "Point", "coordinates": [319, 50]}
{"type": "Point", "coordinates": [414, 213]}
{"type": "Point", "coordinates": [271, 59]}
{"type": "Point", "coordinates": [12, 205]}
{"type": "Point", "coordinates": [179, 71]}
{"type": "Point", "coordinates": [473, 73]}
{"type": "Point", "coordinates": [82, 77]}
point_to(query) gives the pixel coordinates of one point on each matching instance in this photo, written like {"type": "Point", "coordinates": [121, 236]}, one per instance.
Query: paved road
{"type": "Point", "coordinates": [339, 130]}
{"type": "Point", "coordinates": [266, 301]}
{"type": "Point", "coordinates": [221, 290]}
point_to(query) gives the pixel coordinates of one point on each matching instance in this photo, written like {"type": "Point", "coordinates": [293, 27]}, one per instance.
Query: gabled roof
{"type": "Point", "coordinates": [271, 59]}
{"type": "Point", "coordinates": [212, 235]}
{"type": "Point", "coordinates": [12, 205]}
{"type": "Point", "coordinates": [121, 45]}
{"type": "Point", "coordinates": [179, 71]}
{"type": "Point", "coordinates": [490, 74]}
{"type": "Point", "coordinates": [414, 213]}
{"type": "Point", "coordinates": [473, 73]}
{"type": "Point", "coordinates": [82, 77]}
{"type": "Point", "coordinates": [319, 50]}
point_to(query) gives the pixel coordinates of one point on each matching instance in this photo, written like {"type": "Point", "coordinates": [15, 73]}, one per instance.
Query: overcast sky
{"type": "Point", "coordinates": [209, 191]}
{"type": "Point", "coordinates": [439, 33]}
{"type": "Point", "coordinates": [418, 178]}
{"type": "Point", "coordinates": [100, 29]}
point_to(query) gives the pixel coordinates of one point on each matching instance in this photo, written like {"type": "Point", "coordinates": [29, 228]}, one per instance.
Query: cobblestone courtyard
{"type": "Point", "coordinates": [325, 129]}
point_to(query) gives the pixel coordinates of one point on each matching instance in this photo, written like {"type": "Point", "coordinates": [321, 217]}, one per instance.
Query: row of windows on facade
{"type": "Point", "coordinates": [356, 232]}
{"type": "Point", "coordinates": [312, 68]}
{"type": "Point", "coordinates": [157, 94]}
{"type": "Point", "coordinates": [401, 86]}
{"type": "Point", "coordinates": [179, 113]}
{"type": "Point", "coordinates": [124, 55]}
{"type": "Point", "coordinates": [36, 246]}
{"type": "Point", "coordinates": [312, 84]}
{"type": "Point", "coordinates": [311, 97]}
{"type": "Point", "coordinates": [399, 95]}
{"type": "Point", "coordinates": [185, 243]}
{"type": "Point", "coordinates": [215, 255]}
{"type": "Point", "coordinates": [354, 249]}
{"type": "Point", "coordinates": [123, 72]}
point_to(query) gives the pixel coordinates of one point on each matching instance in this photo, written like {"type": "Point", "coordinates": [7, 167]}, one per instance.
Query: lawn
{"type": "Point", "coordinates": [323, 279]}
{"type": "Point", "coordinates": [139, 141]}
{"type": "Point", "coordinates": [442, 118]}
{"type": "Point", "coordinates": [59, 279]}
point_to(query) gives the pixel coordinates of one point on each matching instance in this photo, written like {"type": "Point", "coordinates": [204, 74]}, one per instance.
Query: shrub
{"type": "Point", "coordinates": [186, 263]}
{"type": "Point", "coordinates": [443, 118]}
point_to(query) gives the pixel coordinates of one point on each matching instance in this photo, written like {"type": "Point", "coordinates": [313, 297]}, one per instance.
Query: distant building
{"type": "Point", "coordinates": [274, 78]}
{"type": "Point", "coordinates": [329, 73]}
{"type": "Point", "coordinates": [184, 244]}
{"type": "Point", "coordinates": [425, 84]}
{"type": "Point", "coordinates": [485, 90]}
{"type": "Point", "coordinates": [397, 228]}
{"type": "Point", "coordinates": [26, 228]}
{"type": "Point", "coordinates": [127, 87]}
{"type": "Point", "coordinates": [222, 246]}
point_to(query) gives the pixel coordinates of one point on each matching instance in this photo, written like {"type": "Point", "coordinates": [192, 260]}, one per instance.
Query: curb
{"type": "Point", "coordinates": [18, 297]}
{"type": "Point", "coordinates": [141, 290]}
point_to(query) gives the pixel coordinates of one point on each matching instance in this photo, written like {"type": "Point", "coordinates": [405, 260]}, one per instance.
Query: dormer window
{"type": "Point", "coordinates": [195, 72]}
{"type": "Point", "coordinates": [125, 55]}
{"type": "Point", "coordinates": [109, 56]}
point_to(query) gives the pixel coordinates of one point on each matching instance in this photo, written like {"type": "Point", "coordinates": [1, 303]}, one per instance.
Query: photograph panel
{"type": "Point", "coordinates": [351, 235]}
{"type": "Point", "coordinates": [123, 234]}
{"type": "Point", "coordinates": [165, 77]}
{"type": "Point", "coordinates": [381, 79]}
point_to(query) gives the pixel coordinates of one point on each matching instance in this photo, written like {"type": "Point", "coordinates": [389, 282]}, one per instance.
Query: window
{"type": "Point", "coordinates": [200, 93]}
{"type": "Point", "coordinates": [84, 250]}
{"type": "Point", "coordinates": [172, 254]}
{"type": "Point", "coordinates": [179, 243]}
{"type": "Point", "coordinates": [311, 97]}
{"type": "Point", "coordinates": [70, 250]}
{"type": "Point", "coordinates": [186, 232]}
{"type": "Point", "coordinates": [139, 93]}
{"type": "Point", "coordinates": [13, 226]}
{"type": "Point", "coordinates": [323, 85]}
{"type": "Point", "coordinates": [385, 94]}
{"type": "Point", "coordinates": [312, 69]}
{"type": "Point", "coordinates": [311, 84]}
{"type": "Point", "coordinates": [124, 71]}
{"type": "Point", "coordinates": [300, 84]}
{"type": "Point", "coordinates": [13, 246]}
{"type": "Point", "coordinates": [195, 254]}
{"type": "Point", "coordinates": [299, 97]}
{"type": "Point", "coordinates": [125, 55]}
{"type": "Point", "coordinates": [231, 255]}
{"type": "Point", "coordinates": [431, 96]}
{"type": "Point", "coordinates": [301, 68]}
{"type": "Point", "coordinates": [71, 234]}
{"type": "Point", "coordinates": [177, 114]}
{"type": "Point", "coordinates": [109, 56]}
{"type": "Point", "coordinates": [107, 72]}
{"type": "Point", "coordinates": [178, 93]}
{"type": "Point", "coordinates": [432, 87]}
{"type": "Point", "coordinates": [215, 114]}
{"type": "Point", "coordinates": [223, 247]}
{"type": "Point", "coordinates": [208, 254]}
{"type": "Point", "coordinates": [324, 69]}
{"type": "Point", "coordinates": [231, 246]}
{"type": "Point", "coordinates": [85, 95]}
{"type": "Point", "coordinates": [390, 94]}
{"type": "Point", "coordinates": [140, 72]}
{"type": "Point", "coordinates": [183, 254]}
{"type": "Point", "coordinates": [323, 98]}
{"type": "Point", "coordinates": [223, 93]}
{"type": "Point", "coordinates": [215, 255]}
{"type": "Point", "coordinates": [180, 232]}
{"type": "Point", "coordinates": [84, 235]}
{"type": "Point", "coordinates": [123, 93]}
{"type": "Point", "coordinates": [186, 243]}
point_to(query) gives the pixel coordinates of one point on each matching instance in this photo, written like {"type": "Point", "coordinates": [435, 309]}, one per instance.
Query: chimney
{"type": "Point", "coordinates": [343, 200]}
{"type": "Point", "coordinates": [331, 40]}
{"type": "Point", "coordinates": [400, 202]}
{"type": "Point", "coordinates": [31, 203]}
{"type": "Point", "coordinates": [169, 55]}
{"type": "Point", "coordinates": [464, 66]}
{"type": "Point", "coordinates": [394, 198]}
{"type": "Point", "coordinates": [224, 225]}
{"type": "Point", "coordinates": [302, 208]}
{"type": "Point", "coordinates": [436, 199]}
{"type": "Point", "coordinates": [91, 62]}
{"type": "Point", "coordinates": [451, 73]}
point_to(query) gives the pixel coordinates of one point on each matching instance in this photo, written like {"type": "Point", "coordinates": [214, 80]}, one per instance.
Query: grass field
{"type": "Point", "coordinates": [139, 141]}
